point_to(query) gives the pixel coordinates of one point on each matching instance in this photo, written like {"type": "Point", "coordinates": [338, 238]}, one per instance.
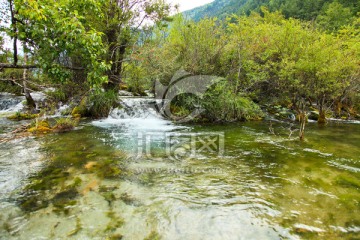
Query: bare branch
{"type": "Point", "coordinates": [12, 66]}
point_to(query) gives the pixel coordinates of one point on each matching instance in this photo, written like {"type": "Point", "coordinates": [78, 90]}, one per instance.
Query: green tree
{"type": "Point", "coordinates": [334, 16]}
{"type": "Point", "coordinates": [121, 27]}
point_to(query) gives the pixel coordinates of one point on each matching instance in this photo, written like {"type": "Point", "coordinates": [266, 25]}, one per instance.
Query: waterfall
{"type": "Point", "coordinates": [10, 103]}
{"type": "Point", "coordinates": [141, 108]}
{"type": "Point", "coordinates": [136, 115]}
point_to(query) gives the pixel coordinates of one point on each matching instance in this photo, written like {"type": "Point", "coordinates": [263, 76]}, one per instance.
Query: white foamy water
{"type": "Point", "coordinates": [137, 115]}
{"type": "Point", "coordinates": [10, 103]}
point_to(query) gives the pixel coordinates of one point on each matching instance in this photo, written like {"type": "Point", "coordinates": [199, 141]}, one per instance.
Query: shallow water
{"type": "Point", "coordinates": [143, 177]}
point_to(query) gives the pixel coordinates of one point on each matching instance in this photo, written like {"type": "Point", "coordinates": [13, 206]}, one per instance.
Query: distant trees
{"type": "Point", "coordinates": [326, 12]}
{"type": "Point", "coordinates": [334, 16]}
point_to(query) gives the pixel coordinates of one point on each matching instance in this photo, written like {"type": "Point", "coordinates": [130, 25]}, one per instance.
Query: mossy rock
{"type": "Point", "coordinates": [65, 125]}
{"type": "Point", "coordinates": [40, 127]}
{"type": "Point", "coordinates": [39, 130]}
{"type": "Point", "coordinates": [22, 116]}
{"type": "Point", "coordinates": [79, 111]}
{"type": "Point", "coordinates": [124, 87]}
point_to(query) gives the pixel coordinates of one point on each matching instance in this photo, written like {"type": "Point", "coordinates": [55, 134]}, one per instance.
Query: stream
{"type": "Point", "coordinates": [135, 175]}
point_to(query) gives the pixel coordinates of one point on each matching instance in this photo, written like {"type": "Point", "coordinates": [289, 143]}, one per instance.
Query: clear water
{"type": "Point", "coordinates": [117, 178]}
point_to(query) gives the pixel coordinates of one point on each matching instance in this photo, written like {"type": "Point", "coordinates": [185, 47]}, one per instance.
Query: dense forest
{"type": "Point", "coordinates": [339, 12]}
{"type": "Point", "coordinates": [299, 57]}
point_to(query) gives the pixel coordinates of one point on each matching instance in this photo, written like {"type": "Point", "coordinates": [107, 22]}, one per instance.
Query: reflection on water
{"type": "Point", "coordinates": [86, 185]}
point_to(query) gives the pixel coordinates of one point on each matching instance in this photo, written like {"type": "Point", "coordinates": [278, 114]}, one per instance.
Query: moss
{"type": "Point", "coordinates": [107, 169]}
{"type": "Point", "coordinates": [348, 182]}
{"type": "Point", "coordinates": [7, 227]}
{"type": "Point", "coordinates": [32, 203]}
{"type": "Point", "coordinates": [39, 130]}
{"type": "Point", "coordinates": [77, 182]}
{"type": "Point", "coordinates": [48, 179]}
{"type": "Point", "coordinates": [306, 234]}
{"type": "Point", "coordinates": [22, 116]}
{"type": "Point", "coordinates": [350, 200]}
{"type": "Point", "coordinates": [126, 198]}
{"type": "Point", "coordinates": [115, 222]}
{"type": "Point", "coordinates": [40, 127]}
{"type": "Point", "coordinates": [42, 191]}
{"type": "Point", "coordinates": [107, 189]}
{"type": "Point", "coordinates": [64, 199]}
{"type": "Point", "coordinates": [153, 236]}
{"type": "Point", "coordinates": [123, 87]}
{"type": "Point", "coordinates": [109, 197]}
{"type": "Point", "coordinates": [79, 111]}
{"type": "Point", "coordinates": [77, 229]}
{"type": "Point", "coordinates": [115, 237]}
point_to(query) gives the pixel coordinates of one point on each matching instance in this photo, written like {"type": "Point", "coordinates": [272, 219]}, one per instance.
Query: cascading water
{"type": "Point", "coordinates": [142, 108]}
{"type": "Point", "coordinates": [136, 117]}
{"type": "Point", "coordinates": [137, 114]}
{"type": "Point", "coordinates": [10, 103]}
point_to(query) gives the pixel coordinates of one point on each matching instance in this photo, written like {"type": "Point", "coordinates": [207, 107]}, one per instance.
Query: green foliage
{"type": "Point", "coordinates": [263, 56]}
{"type": "Point", "coordinates": [57, 96]}
{"type": "Point", "coordinates": [65, 124]}
{"type": "Point", "coordinates": [222, 104]}
{"type": "Point", "coordinates": [60, 36]}
{"type": "Point", "coordinates": [332, 13]}
{"type": "Point", "coordinates": [135, 79]}
{"type": "Point", "coordinates": [101, 102]}
{"type": "Point", "coordinates": [335, 16]}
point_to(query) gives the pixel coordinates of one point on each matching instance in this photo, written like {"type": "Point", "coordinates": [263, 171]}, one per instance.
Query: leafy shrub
{"type": "Point", "coordinates": [222, 104]}
{"type": "Point", "coordinates": [102, 102]}
{"type": "Point", "coordinates": [57, 96]}
{"type": "Point", "coordinates": [65, 124]}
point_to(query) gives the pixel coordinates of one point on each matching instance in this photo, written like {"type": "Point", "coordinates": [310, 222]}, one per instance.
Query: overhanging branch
{"type": "Point", "coordinates": [12, 66]}
{"type": "Point", "coordinates": [4, 65]}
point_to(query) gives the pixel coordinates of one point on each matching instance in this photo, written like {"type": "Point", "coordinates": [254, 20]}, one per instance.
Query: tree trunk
{"type": "Point", "coordinates": [302, 119]}
{"type": "Point", "coordinates": [14, 31]}
{"type": "Point", "coordinates": [322, 115]}
{"type": "Point", "coordinates": [116, 53]}
{"type": "Point", "coordinates": [30, 101]}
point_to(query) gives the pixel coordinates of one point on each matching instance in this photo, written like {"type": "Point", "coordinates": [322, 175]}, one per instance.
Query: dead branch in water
{"type": "Point", "coordinates": [18, 133]}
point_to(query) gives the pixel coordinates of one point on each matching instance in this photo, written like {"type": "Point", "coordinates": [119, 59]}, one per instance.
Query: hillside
{"type": "Point", "coordinates": [302, 9]}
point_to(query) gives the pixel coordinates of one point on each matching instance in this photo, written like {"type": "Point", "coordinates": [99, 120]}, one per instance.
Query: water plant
{"type": "Point", "coordinates": [65, 124]}
{"type": "Point", "coordinates": [39, 127]}
{"type": "Point", "coordinates": [19, 116]}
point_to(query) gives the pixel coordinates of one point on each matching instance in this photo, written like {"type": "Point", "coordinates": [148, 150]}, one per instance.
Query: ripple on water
{"type": "Point", "coordinates": [343, 163]}
{"type": "Point", "coordinates": [19, 159]}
